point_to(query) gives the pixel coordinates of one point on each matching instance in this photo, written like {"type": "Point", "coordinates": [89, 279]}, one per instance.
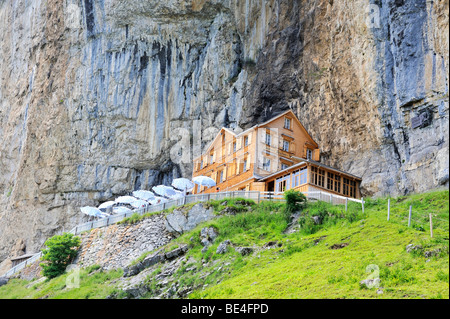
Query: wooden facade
{"type": "Point", "coordinates": [268, 157]}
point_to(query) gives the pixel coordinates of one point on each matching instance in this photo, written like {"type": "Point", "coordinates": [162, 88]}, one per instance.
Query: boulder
{"type": "Point", "coordinates": [208, 235]}
{"type": "Point", "coordinates": [3, 281]}
{"type": "Point", "coordinates": [223, 247]}
{"type": "Point", "coordinates": [411, 248]}
{"type": "Point", "coordinates": [180, 222]}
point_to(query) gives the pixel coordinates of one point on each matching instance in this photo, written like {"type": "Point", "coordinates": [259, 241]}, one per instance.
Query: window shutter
{"type": "Point", "coordinates": [316, 155]}
{"type": "Point", "coordinates": [214, 156]}
{"type": "Point", "coordinates": [249, 159]}
{"type": "Point", "coordinates": [225, 169]}
{"type": "Point", "coordinates": [250, 138]}
{"type": "Point", "coordinates": [238, 162]}
{"type": "Point", "coordinates": [239, 143]}
{"type": "Point", "coordinates": [230, 148]}
{"type": "Point", "coordinates": [260, 161]}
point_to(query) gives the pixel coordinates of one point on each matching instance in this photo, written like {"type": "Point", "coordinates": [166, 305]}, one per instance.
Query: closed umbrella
{"type": "Point", "coordinates": [163, 190]}
{"type": "Point", "coordinates": [126, 199]}
{"type": "Point", "coordinates": [183, 184]}
{"type": "Point", "coordinates": [143, 194]}
{"type": "Point", "coordinates": [204, 181]}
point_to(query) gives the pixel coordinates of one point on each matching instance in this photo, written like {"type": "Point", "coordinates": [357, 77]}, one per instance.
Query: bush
{"type": "Point", "coordinates": [294, 201]}
{"type": "Point", "coordinates": [60, 251]}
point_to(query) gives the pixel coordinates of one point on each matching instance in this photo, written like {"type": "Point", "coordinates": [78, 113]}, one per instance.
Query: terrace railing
{"type": "Point", "coordinates": [253, 195]}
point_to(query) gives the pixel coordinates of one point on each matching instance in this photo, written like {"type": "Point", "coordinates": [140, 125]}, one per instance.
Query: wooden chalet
{"type": "Point", "coordinates": [273, 156]}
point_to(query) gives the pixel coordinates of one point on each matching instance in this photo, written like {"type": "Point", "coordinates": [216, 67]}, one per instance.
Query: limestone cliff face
{"type": "Point", "coordinates": [94, 94]}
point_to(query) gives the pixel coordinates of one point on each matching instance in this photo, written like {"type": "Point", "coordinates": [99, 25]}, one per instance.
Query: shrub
{"type": "Point", "coordinates": [294, 201]}
{"type": "Point", "coordinates": [60, 251]}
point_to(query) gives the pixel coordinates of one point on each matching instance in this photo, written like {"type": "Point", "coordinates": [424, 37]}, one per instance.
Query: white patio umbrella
{"type": "Point", "coordinates": [163, 190]}
{"type": "Point", "coordinates": [107, 204]}
{"type": "Point", "coordinates": [139, 203]}
{"type": "Point", "coordinates": [143, 194]}
{"type": "Point", "coordinates": [91, 211]}
{"type": "Point", "coordinates": [204, 181]}
{"type": "Point", "coordinates": [158, 200]}
{"type": "Point", "coordinates": [177, 195]}
{"type": "Point", "coordinates": [183, 184]}
{"type": "Point", "coordinates": [121, 210]}
{"type": "Point", "coordinates": [126, 199]}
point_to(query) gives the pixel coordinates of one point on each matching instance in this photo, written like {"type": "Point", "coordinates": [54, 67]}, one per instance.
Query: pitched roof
{"type": "Point", "coordinates": [256, 126]}
{"type": "Point", "coordinates": [296, 118]}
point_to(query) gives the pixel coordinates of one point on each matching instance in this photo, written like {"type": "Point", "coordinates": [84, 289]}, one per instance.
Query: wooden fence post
{"type": "Point", "coordinates": [409, 217]}
{"type": "Point", "coordinates": [362, 204]}
{"type": "Point", "coordinates": [389, 208]}
{"type": "Point", "coordinates": [431, 225]}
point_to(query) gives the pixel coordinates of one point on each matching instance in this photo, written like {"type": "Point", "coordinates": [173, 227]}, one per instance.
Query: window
{"type": "Point", "coordinates": [245, 140]}
{"type": "Point", "coordinates": [266, 164]}
{"type": "Point", "coordinates": [330, 181]}
{"type": "Point", "coordinates": [234, 147]}
{"type": "Point", "coordinates": [211, 157]}
{"type": "Point", "coordinates": [318, 176]}
{"type": "Point", "coordinates": [284, 166]}
{"type": "Point", "coordinates": [337, 183]}
{"type": "Point", "coordinates": [296, 178]}
{"type": "Point", "coordinates": [282, 183]}
{"type": "Point", "coordinates": [309, 154]}
{"type": "Point", "coordinates": [345, 188]}
{"type": "Point", "coordinates": [303, 176]}
{"type": "Point", "coordinates": [245, 164]}
{"type": "Point", "coordinates": [221, 177]}
{"type": "Point", "coordinates": [287, 123]}
{"type": "Point", "coordinates": [267, 138]}
{"type": "Point", "coordinates": [285, 146]}
{"type": "Point", "coordinates": [201, 164]}
{"type": "Point", "coordinates": [349, 187]}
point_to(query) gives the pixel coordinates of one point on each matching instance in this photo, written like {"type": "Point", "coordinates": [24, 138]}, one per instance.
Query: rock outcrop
{"type": "Point", "coordinates": [96, 97]}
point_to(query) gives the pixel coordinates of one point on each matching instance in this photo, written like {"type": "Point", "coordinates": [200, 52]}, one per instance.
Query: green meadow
{"type": "Point", "coordinates": [321, 261]}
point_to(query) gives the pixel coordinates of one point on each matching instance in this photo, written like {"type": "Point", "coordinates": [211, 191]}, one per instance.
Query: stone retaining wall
{"type": "Point", "coordinates": [117, 245]}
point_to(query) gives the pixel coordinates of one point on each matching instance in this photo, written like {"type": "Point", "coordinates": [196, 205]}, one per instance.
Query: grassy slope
{"type": "Point", "coordinates": [304, 266]}
{"type": "Point", "coordinates": [316, 271]}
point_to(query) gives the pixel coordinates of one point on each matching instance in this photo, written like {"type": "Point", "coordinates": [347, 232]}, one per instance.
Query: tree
{"type": "Point", "coordinates": [60, 251]}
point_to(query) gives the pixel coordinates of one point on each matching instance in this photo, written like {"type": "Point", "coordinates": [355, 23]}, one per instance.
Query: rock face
{"type": "Point", "coordinates": [96, 97]}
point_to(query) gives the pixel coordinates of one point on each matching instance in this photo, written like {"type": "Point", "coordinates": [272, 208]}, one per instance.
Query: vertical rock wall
{"type": "Point", "coordinates": [94, 94]}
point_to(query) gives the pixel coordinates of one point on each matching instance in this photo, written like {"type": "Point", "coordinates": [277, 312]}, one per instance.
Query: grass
{"type": "Point", "coordinates": [325, 261]}
{"type": "Point", "coordinates": [306, 267]}
{"type": "Point", "coordinates": [93, 284]}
